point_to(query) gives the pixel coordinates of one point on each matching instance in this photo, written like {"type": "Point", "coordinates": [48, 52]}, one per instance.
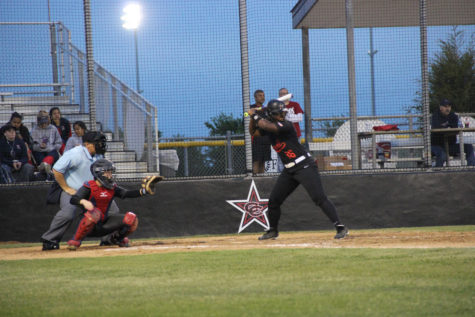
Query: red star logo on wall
{"type": "Point", "coordinates": [254, 209]}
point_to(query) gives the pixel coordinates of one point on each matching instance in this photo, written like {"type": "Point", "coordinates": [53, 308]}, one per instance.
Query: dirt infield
{"type": "Point", "coordinates": [356, 239]}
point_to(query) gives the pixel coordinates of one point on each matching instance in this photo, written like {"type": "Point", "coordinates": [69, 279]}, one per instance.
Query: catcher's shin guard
{"type": "Point", "coordinates": [130, 222]}
{"type": "Point", "coordinates": [87, 223]}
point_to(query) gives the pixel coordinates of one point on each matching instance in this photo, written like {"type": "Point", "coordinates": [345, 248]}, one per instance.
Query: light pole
{"type": "Point", "coordinates": [371, 54]}
{"type": "Point", "coordinates": [132, 18]}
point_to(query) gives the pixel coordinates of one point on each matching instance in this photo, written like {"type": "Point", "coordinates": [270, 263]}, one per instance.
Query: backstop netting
{"type": "Point", "coordinates": [169, 93]}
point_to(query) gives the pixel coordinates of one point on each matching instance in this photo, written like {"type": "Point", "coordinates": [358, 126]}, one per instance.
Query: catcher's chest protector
{"type": "Point", "coordinates": [101, 197]}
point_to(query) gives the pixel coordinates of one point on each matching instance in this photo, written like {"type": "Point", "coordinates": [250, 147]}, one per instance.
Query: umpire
{"type": "Point", "coordinates": [300, 168]}
{"type": "Point", "coordinates": [71, 171]}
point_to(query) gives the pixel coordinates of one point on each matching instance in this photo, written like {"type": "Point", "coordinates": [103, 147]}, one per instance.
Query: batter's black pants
{"type": "Point", "coordinates": [287, 182]}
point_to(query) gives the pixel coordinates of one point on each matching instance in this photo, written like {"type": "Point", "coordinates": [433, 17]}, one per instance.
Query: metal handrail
{"type": "Point", "coordinates": [33, 85]}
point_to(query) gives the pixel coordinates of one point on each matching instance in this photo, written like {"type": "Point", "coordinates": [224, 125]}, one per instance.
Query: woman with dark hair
{"type": "Point", "coordinates": [80, 129]}
{"type": "Point", "coordinates": [21, 131]}
{"type": "Point", "coordinates": [62, 125]}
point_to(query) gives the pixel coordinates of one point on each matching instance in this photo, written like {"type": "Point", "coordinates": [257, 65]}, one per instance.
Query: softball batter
{"type": "Point", "coordinates": [300, 167]}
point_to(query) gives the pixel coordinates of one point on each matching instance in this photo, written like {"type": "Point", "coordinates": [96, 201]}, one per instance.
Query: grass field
{"type": "Point", "coordinates": [256, 282]}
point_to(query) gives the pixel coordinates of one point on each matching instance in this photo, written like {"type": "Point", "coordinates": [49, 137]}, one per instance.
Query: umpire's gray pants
{"type": "Point", "coordinates": [65, 216]}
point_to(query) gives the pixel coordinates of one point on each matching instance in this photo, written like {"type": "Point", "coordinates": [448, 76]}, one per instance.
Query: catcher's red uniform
{"type": "Point", "coordinates": [98, 222]}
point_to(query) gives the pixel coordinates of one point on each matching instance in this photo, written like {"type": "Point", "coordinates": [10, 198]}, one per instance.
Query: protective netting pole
{"type": "Point", "coordinates": [90, 64]}
{"type": "Point", "coordinates": [355, 154]}
{"type": "Point", "coordinates": [245, 80]}
{"type": "Point", "coordinates": [307, 86]}
{"type": "Point", "coordinates": [425, 82]}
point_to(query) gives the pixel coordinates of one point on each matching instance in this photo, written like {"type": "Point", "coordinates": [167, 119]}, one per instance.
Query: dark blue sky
{"type": "Point", "coordinates": [190, 56]}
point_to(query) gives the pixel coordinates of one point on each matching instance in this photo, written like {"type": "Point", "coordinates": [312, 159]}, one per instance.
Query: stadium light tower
{"type": "Point", "coordinates": [132, 18]}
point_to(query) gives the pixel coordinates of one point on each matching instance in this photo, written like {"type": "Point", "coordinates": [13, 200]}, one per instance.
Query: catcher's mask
{"type": "Point", "coordinates": [98, 139]}
{"type": "Point", "coordinates": [98, 168]}
{"type": "Point", "coordinates": [275, 107]}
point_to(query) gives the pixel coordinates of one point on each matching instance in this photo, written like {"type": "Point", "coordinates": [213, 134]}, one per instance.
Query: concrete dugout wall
{"type": "Point", "coordinates": [199, 207]}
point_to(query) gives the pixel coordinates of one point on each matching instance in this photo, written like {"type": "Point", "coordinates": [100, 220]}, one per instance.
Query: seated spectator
{"type": "Point", "coordinates": [62, 124]}
{"type": "Point", "coordinates": [14, 158]}
{"type": "Point", "coordinates": [445, 118]}
{"type": "Point", "coordinates": [80, 129]}
{"type": "Point", "coordinates": [46, 143]}
{"type": "Point", "coordinates": [23, 133]}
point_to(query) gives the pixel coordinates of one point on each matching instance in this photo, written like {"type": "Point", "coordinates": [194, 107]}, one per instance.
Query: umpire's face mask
{"type": "Point", "coordinates": [100, 147]}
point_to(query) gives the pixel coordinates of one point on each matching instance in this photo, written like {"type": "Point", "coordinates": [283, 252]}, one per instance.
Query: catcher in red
{"type": "Point", "coordinates": [95, 197]}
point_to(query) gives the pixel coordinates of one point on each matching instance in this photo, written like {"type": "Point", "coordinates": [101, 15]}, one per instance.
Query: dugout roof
{"type": "Point", "coordinates": [326, 14]}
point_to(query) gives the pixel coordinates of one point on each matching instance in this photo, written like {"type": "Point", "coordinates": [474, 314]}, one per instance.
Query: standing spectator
{"type": "Point", "coordinates": [71, 171]}
{"type": "Point", "coordinates": [46, 143]}
{"type": "Point", "coordinates": [22, 132]}
{"type": "Point", "coordinates": [445, 118]}
{"type": "Point", "coordinates": [300, 168]}
{"type": "Point", "coordinates": [80, 129]}
{"type": "Point", "coordinates": [260, 144]}
{"type": "Point", "coordinates": [294, 115]}
{"type": "Point", "coordinates": [14, 157]}
{"type": "Point", "coordinates": [62, 124]}
{"type": "Point", "coordinates": [294, 112]}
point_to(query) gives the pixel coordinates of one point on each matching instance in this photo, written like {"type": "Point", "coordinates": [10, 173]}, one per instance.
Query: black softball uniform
{"type": "Point", "coordinates": [300, 168]}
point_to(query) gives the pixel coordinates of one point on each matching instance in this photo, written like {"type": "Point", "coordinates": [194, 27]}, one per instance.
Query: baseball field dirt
{"type": "Point", "coordinates": [357, 239]}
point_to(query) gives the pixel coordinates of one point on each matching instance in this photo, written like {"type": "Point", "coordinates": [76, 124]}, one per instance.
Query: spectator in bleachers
{"type": "Point", "coordinates": [46, 143]}
{"type": "Point", "coordinates": [16, 120]}
{"type": "Point", "coordinates": [80, 129]}
{"type": "Point", "coordinates": [62, 124]}
{"type": "Point", "coordinates": [443, 118]}
{"type": "Point", "coordinates": [23, 133]}
{"type": "Point", "coordinates": [14, 158]}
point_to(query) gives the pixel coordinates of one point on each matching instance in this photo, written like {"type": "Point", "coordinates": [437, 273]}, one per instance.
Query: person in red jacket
{"type": "Point", "coordinates": [294, 114]}
{"type": "Point", "coordinates": [294, 111]}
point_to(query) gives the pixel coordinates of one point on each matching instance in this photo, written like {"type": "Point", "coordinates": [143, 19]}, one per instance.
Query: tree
{"type": "Point", "coordinates": [330, 127]}
{"type": "Point", "coordinates": [219, 126]}
{"type": "Point", "coordinates": [222, 123]}
{"type": "Point", "coordinates": [452, 74]}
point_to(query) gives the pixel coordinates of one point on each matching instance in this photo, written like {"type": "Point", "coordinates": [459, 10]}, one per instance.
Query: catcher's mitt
{"type": "Point", "coordinates": [148, 184]}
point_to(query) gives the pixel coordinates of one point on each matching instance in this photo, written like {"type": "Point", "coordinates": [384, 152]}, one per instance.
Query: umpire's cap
{"type": "Point", "coordinates": [98, 139]}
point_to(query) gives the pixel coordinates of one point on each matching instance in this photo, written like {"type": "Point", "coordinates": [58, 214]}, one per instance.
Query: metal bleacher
{"type": "Point", "coordinates": [125, 160]}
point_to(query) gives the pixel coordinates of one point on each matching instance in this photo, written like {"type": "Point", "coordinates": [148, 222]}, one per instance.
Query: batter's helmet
{"type": "Point", "coordinates": [98, 168]}
{"type": "Point", "coordinates": [275, 107]}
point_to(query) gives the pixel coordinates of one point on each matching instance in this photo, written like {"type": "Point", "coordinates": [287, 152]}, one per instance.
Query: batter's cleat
{"type": "Point", "coordinates": [73, 245]}
{"type": "Point", "coordinates": [341, 232]}
{"type": "Point", "coordinates": [49, 245]}
{"type": "Point", "coordinates": [270, 234]}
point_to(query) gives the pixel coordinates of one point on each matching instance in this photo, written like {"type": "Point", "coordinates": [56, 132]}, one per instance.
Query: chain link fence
{"type": "Point", "coordinates": [176, 83]}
